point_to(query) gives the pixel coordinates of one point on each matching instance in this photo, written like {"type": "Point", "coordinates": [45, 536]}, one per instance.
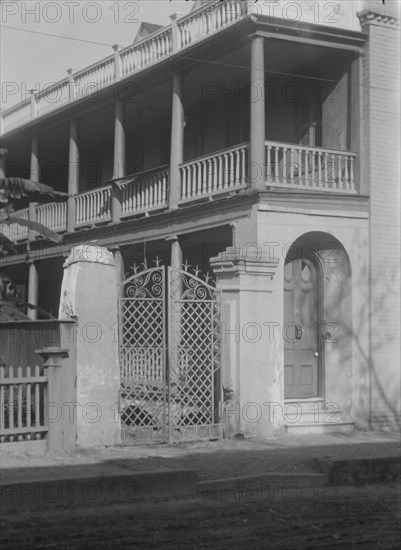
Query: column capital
{"type": "Point", "coordinates": [89, 253]}
{"type": "Point", "coordinates": [171, 238]}
{"type": "Point", "coordinates": [233, 261]}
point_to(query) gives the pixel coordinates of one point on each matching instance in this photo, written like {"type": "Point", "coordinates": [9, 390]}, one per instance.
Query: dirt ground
{"type": "Point", "coordinates": [362, 517]}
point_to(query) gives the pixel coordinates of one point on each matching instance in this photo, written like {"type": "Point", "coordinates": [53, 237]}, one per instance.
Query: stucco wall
{"type": "Point", "coordinates": [89, 293]}
{"type": "Point", "coordinates": [254, 315]}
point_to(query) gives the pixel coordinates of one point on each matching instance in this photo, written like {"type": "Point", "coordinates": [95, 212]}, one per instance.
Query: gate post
{"type": "Point", "coordinates": [89, 294]}
{"type": "Point", "coordinates": [249, 356]}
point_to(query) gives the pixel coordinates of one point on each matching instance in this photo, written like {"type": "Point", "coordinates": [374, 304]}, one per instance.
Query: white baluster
{"type": "Point", "coordinates": [352, 182]}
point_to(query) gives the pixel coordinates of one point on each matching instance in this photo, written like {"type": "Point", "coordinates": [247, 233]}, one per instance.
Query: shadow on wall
{"type": "Point", "coordinates": [360, 370]}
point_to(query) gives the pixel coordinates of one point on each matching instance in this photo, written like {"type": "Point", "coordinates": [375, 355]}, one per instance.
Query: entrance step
{"type": "Point", "coordinates": [313, 416]}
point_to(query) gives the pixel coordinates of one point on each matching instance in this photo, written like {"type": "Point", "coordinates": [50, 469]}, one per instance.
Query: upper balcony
{"type": "Point", "coordinates": [194, 131]}
{"type": "Point", "coordinates": [199, 25]}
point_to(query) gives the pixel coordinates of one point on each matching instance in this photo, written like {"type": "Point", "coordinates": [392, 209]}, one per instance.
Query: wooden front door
{"type": "Point", "coordinates": [300, 330]}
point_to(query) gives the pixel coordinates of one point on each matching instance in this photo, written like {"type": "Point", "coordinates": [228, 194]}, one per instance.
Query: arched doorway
{"type": "Point", "coordinates": [317, 320]}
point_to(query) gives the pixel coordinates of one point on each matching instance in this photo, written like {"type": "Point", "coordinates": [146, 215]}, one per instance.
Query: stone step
{"type": "Point", "coordinates": [305, 405]}
{"type": "Point", "coordinates": [308, 416]}
{"type": "Point", "coordinates": [318, 416]}
{"type": "Point", "coordinates": [301, 428]}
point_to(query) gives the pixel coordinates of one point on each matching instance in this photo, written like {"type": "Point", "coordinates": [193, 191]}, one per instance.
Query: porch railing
{"type": "Point", "coordinates": [93, 206]}
{"type": "Point", "coordinates": [215, 173]}
{"type": "Point", "coordinates": [197, 25]}
{"type": "Point", "coordinates": [52, 97]}
{"type": "Point", "coordinates": [209, 19]}
{"type": "Point", "coordinates": [147, 51]}
{"type": "Point", "coordinates": [145, 191]}
{"type": "Point", "coordinates": [23, 397]}
{"type": "Point", "coordinates": [312, 168]}
{"type": "Point", "coordinates": [93, 78]}
{"type": "Point", "coordinates": [287, 165]}
{"type": "Point", "coordinates": [53, 215]}
{"type": "Point", "coordinates": [16, 232]}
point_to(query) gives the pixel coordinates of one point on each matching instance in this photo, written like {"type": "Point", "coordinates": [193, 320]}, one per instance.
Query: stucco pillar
{"type": "Point", "coordinates": [33, 290]}
{"type": "Point", "coordinates": [89, 294]}
{"type": "Point", "coordinates": [177, 141]}
{"type": "Point", "coordinates": [256, 168]}
{"type": "Point", "coordinates": [119, 261]}
{"type": "Point", "coordinates": [174, 319]}
{"type": "Point", "coordinates": [73, 175]}
{"type": "Point", "coordinates": [251, 354]}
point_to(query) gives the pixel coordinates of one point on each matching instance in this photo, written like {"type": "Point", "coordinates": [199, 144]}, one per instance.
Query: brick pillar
{"type": "Point", "coordinates": [381, 146]}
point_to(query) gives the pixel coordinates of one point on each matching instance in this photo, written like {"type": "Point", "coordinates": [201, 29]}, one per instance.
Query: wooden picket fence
{"type": "Point", "coordinates": [23, 397]}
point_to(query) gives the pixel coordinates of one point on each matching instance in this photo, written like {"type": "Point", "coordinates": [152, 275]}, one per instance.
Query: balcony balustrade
{"type": "Point", "coordinates": [286, 165]}
{"type": "Point", "coordinates": [217, 173]}
{"type": "Point", "coordinates": [93, 206]}
{"type": "Point", "coordinates": [144, 192]}
{"type": "Point", "coordinates": [196, 26]}
{"type": "Point", "coordinates": [309, 168]}
{"type": "Point", "coordinates": [53, 215]}
{"type": "Point", "coordinates": [16, 232]}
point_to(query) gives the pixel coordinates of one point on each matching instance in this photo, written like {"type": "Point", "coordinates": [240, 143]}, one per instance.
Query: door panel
{"type": "Point", "coordinates": [300, 318]}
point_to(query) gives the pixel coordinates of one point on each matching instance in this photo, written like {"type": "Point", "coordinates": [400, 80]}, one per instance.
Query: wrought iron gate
{"type": "Point", "coordinates": [170, 341]}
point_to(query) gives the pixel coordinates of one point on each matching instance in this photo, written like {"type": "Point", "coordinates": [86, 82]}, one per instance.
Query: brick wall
{"type": "Point", "coordinates": [380, 153]}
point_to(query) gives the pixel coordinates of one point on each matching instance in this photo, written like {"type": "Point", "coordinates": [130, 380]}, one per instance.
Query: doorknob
{"type": "Point", "coordinates": [316, 354]}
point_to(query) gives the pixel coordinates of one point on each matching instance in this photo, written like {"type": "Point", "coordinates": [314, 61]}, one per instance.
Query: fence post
{"type": "Point", "coordinates": [53, 361]}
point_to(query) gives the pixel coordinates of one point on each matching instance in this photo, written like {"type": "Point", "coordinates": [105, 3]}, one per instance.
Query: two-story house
{"type": "Point", "coordinates": [255, 142]}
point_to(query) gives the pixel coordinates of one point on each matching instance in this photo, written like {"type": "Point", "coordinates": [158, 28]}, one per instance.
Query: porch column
{"type": "Point", "coordinates": [33, 176]}
{"type": "Point", "coordinates": [3, 153]}
{"type": "Point", "coordinates": [176, 252]}
{"type": "Point", "coordinates": [34, 167]}
{"type": "Point", "coordinates": [33, 290]}
{"type": "Point", "coordinates": [73, 175]}
{"type": "Point", "coordinates": [119, 160]}
{"type": "Point", "coordinates": [356, 121]}
{"type": "Point", "coordinates": [119, 261]}
{"type": "Point", "coordinates": [256, 169]}
{"type": "Point", "coordinates": [251, 360]}
{"type": "Point", "coordinates": [177, 141]}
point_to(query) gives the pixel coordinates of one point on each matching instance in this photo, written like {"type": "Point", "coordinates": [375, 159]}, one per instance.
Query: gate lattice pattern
{"type": "Point", "coordinates": [169, 356]}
